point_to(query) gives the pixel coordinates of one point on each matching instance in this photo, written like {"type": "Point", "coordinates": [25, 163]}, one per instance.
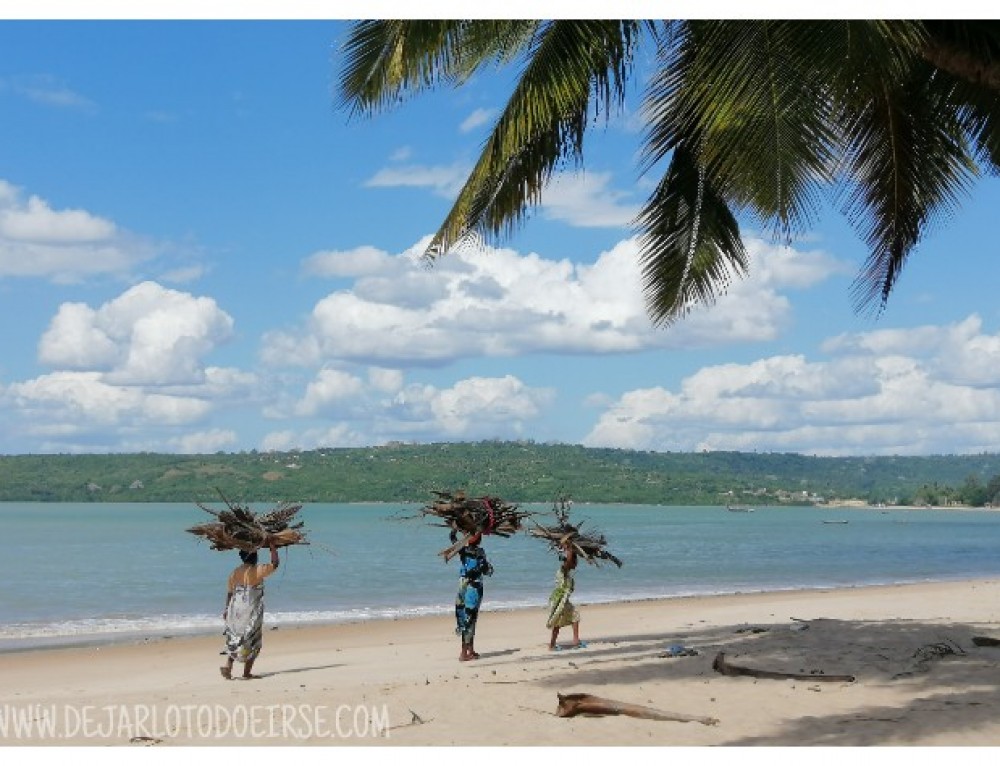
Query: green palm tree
{"type": "Point", "coordinates": [760, 118]}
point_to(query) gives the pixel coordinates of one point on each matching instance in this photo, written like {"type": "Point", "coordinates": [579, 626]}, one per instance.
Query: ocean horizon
{"type": "Point", "coordinates": [86, 572]}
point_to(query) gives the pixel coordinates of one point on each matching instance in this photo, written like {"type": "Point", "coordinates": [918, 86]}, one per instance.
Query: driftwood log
{"type": "Point", "coordinates": [587, 704]}
{"type": "Point", "coordinates": [985, 641]}
{"type": "Point", "coordinates": [720, 665]}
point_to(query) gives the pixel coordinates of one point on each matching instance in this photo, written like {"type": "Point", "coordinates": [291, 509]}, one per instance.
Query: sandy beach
{"type": "Point", "coordinates": [919, 679]}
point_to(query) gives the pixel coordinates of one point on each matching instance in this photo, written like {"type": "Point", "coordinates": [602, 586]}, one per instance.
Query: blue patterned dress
{"type": "Point", "coordinates": [470, 590]}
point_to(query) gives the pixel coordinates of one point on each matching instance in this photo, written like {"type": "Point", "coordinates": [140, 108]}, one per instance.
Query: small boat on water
{"type": "Point", "coordinates": [834, 521]}
{"type": "Point", "coordinates": [739, 508]}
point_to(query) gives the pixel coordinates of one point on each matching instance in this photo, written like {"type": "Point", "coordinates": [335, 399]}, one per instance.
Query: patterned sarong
{"type": "Point", "coordinates": [245, 623]}
{"type": "Point", "coordinates": [561, 610]}
{"type": "Point", "coordinates": [470, 596]}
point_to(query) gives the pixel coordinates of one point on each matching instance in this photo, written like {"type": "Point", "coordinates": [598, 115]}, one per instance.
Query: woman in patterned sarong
{"type": "Point", "coordinates": [562, 612]}
{"type": "Point", "coordinates": [244, 613]}
{"type": "Point", "coordinates": [470, 593]}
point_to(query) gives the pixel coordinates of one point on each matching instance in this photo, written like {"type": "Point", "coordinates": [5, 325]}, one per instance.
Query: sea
{"type": "Point", "coordinates": [79, 573]}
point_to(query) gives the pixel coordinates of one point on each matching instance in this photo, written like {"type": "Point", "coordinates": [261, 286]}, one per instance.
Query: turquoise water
{"type": "Point", "coordinates": [76, 571]}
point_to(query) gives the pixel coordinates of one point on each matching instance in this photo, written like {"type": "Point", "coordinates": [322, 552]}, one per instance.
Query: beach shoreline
{"type": "Point", "coordinates": [135, 635]}
{"type": "Point", "coordinates": [920, 680]}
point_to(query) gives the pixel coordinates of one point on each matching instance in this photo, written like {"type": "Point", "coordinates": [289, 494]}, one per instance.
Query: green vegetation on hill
{"type": "Point", "coordinates": [516, 471]}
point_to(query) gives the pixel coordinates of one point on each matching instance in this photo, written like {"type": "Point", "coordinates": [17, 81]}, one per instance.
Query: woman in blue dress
{"type": "Point", "coordinates": [470, 593]}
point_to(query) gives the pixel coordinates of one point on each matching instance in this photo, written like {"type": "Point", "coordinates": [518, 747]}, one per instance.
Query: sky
{"type": "Point", "coordinates": [201, 250]}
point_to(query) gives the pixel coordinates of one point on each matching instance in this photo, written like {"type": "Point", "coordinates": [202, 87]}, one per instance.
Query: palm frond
{"type": "Point", "coordinates": [755, 97]}
{"type": "Point", "coordinates": [980, 118]}
{"type": "Point", "coordinates": [756, 116]}
{"type": "Point", "coordinates": [573, 67]}
{"type": "Point", "coordinates": [387, 60]}
{"type": "Point", "coordinates": [908, 163]}
{"type": "Point", "coordinates": [690, 246]}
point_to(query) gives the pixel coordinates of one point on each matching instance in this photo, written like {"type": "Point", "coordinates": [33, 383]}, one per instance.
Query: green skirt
{"type": "Point", "coordinates": [562, 612]}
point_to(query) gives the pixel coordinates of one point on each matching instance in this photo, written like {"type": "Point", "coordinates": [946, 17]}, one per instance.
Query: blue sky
{"type": "Point", "coordinates": [199, 252]}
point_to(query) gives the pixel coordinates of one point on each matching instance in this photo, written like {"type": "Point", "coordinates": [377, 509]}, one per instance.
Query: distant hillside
{"type": "Point", "coordinates": [517, 471]}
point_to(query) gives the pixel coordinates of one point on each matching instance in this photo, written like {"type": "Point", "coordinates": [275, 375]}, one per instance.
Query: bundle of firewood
{"type": "Point", "coordinates": [239, 527]}
{"type": "Point", "coordinates": [468, 515]}
{"type": "Point", "coordinates": [465, 516]}
{"type": "Point", "coordinates": [590, 545]}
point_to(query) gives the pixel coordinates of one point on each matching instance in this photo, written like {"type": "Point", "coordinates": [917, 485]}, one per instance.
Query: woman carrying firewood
{"type": "Point", "coordinates": [562, 612]}
{"type": "Point", "coordinates": [244, 613]}
{"type": "Point", "coordinates": [470, 592]}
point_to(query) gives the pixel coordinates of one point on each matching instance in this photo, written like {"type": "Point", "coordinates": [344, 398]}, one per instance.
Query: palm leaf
{"type": "Point", "coordinates": [690, 245]}
{"type": "Point", "coordinates": [387, 60]}
{"type": "Point", "coordinates": [573, 68]}
{"type": "Point", "coordinates": [754, 116]}
{"type": "Point", "coordinates": [907, 165]}
{"type": "Point", "coordinates": [760, 118]}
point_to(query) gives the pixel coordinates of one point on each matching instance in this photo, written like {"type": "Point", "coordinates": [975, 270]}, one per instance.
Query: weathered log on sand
{"type": "Point", "coordinates": [985, 641]}
{"type": "Point", "coordinates": [721, 666]}
{"type": "Point", "coordinates": [587, 704]}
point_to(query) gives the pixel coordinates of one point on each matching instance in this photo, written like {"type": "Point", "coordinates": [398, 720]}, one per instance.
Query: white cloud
{"type": "Point", "coordinates": [959, 352]}
{"type": "Point", "coordinates": [147, 335]}
{"type": "Point", "coordinates": [74, 340]}
{"type": "Point", "coordinates": [586, 200]}
{"type": "Point", "coordinates": [134, 365]}
{"type": "Point", "coordinates": [46, 90]}
{"type": "Point", "coordinates": [35, 221]}
{"type": "Point", "coordinates": [497, 302]}
{"type": "Point", "coordinates": [487, 406]}
{"type": "Point", "coordinates": [80, 401]}
{"type": "Point", "coordinates": [204, 442]}
{"type": "Point", "coordinates": [882, 393]}
{"type": "Point", "coordinates": [443, 180]}
{"type": "Point", "coordinates": [339, 435]}
{"type": "Point", "coordinates": [386, 381]}
{"type": "Point", "coordinates": [579, 199]}
{"type": "Point", "coordinates": [473, 408]}
{"type": "Point", "coordinates": [183, 275]}
{"type": "Point", "coordinates": [222, 384]}
{"type": "Point", "coordinates": [64, 246]}
{"type": "Point", "coordinates": [478, 118]}
{"type": "Point", "coordinates": [281, 441]}
{"type": "Point", "coordinates": [330, 389]}
{"type": "Point", "coordinates": [359, 262]}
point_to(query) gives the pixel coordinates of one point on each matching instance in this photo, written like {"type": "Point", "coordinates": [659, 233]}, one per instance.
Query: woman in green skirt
{"type": "Point", "coordinates": [562, 612]}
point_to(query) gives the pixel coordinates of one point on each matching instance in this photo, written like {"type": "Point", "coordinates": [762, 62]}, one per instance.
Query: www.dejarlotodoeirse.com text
{"type": "Point", "coordinates": [194, 721]}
